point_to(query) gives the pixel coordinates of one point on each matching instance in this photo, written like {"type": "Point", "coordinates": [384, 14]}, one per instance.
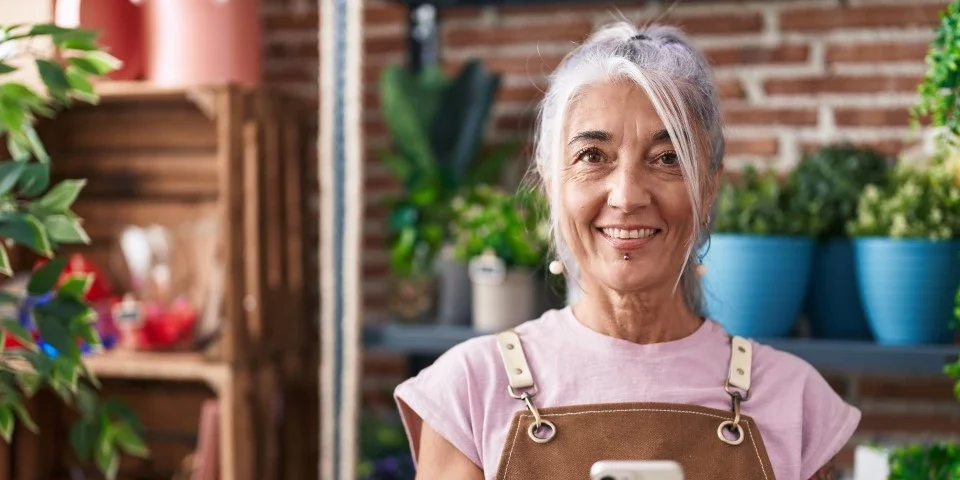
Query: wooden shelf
{"type": "Point", "coordinates": [825, 355]}
{"type": "Point", "coordinates": [176, 366]}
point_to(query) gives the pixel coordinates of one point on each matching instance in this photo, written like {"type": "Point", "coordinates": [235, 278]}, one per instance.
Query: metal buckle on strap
{"type": "Point", "coordinates": [521, 385]}
{"type": "Point", "coordinates": [738, 387]}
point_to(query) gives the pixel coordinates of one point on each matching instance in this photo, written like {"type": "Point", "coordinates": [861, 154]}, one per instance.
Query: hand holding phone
{"type": "Point", "coordinates": [636, 470]}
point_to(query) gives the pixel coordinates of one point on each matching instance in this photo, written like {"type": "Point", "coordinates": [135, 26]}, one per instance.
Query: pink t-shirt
{"type": "Point", "coordinates": [463, 395]}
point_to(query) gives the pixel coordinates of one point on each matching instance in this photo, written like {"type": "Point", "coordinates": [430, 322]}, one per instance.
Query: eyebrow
{"type": "Point", "coordinates": [603, 136]}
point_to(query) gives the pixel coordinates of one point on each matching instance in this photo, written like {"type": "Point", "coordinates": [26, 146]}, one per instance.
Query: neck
{"type": "Point", "coordinates": [638, 317]}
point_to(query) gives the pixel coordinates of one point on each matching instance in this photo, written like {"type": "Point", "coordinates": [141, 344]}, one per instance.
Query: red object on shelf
{"type": "Point", "coordinates": [78, 264]}
{"type": "Point", "coordinates": [120, 24]}
{"type": "Point", "coordinates": [167, 328]}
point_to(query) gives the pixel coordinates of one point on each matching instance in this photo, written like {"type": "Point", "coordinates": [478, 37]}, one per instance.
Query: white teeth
{"type": "Point", "coordinates": [623, 233]}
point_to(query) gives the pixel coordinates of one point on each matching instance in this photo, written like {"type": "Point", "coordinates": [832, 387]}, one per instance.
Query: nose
{"type": "Point", "coordinates": [628, 189]}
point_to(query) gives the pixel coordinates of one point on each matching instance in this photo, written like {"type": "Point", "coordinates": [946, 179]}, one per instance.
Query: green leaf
{"type": "Point", "coordinates": [81, 86]}
{"type": "Point", "coordinates": [14, 328]}
{"type": "Point", "coordinates": [76, 285]}
{"type": "Point", "coordinates": [96, 63]}
{"type": "Point", "coordinates": [5, 267]}
{"type": "Point", "coordinates": [54, 78]}
{"type": "Point", "coordinates": [25, 229]}
{"type": "Point", "coordinates": [90, 335]}
{"type": "Point", "coordinates": [50, 29]}
{"type": "Point", "coordinates": [45, 278]}
{"type": "Point", "coordinates": [64, 229]}
{"type": "Point", "coordinates": [24, 415]}
{"type": "Point", "coordinates": [66, 307]}
{"type": "Point", "coordinates": [34, 179]}
{"type": "Point", "coordinates": [30, 382]}
{"type": "Point", "coordinates": [6, 68]}
{"type": "Point", "coordinates": [6, 422]}
{"type": "Point", "coordinates": [9, 175]}
{"type": "Point", "coordinates": [83, 435]}
{"type": "Point", "coordinates": [61, 197]}
{"type": "Point", "coordinates": [129, 441]}
{"type": "Point", "coordinates": [13, 115]}
{"type": "Point", "coordinates": [36, 144]}
{"type": "Point", "coordinates": [122, 411]}
{"type": "Point", "coordinates": [84, 44]}
{"type": "Point", "coordinates": [108, 461]}
{"type": "Point", "coordinates": [55, 332]}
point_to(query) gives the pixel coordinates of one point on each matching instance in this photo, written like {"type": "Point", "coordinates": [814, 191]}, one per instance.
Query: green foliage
{"type": "Point", "coordinates": [828, 184]}
{"type": "Point", "coordinates": [41, 219]}
{"type": "Point", "coordinates": [922, 462]}
{"type": "Point", "coordinates": [941, 83]}
{"type": "Point", "coordinates": [758, 203]}
{"type": "Point", "coordinates": [916, 202]}
{"type": "Point", "coordinates": [436, 126]}
{"type": "Point", "coordinates": [512, 226]}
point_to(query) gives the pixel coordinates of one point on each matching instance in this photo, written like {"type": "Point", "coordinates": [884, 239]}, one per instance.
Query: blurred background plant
{"type": "Point", "coordinates": [759, 202]}
{"type": "Point", "coordinates": [827, 184]}
{"type": "Point", "coordinates": [939, 90]}
{"type": "Point", "coordinates": [384, 449]}
{"type": "Point", "coordinates": [40, 219]}
{"type": "Point", "coordinates": [436, 125]}
{"type": "Point", "coordinates": [916, 202]}
{"type": "Point", "coordinates": [512, 226]}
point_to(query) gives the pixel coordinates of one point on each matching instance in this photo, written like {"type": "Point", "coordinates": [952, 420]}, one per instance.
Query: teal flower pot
{"type": "Point", "coordinates": [909, 288]}
{"type": "Point", "coordinates": [833, 303]}
{"type": "Point", "coordinates": [755, 285]}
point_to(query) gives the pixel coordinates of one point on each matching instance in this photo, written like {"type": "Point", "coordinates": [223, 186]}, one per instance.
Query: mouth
{"type": "Point", "coordinates": [628, 238]}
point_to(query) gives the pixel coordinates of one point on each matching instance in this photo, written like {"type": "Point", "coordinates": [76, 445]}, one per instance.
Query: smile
{"type": "Point", "coordinates": [623, 233]}
{"type": "Point", "coordinates": [628, 238]}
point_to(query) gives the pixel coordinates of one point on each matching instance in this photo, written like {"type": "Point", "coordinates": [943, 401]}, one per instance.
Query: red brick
{"type": "Point", "coordinates": [842, 84]}
{"type": "Point", "coordinates": [916, 389]}
{"type": "Point", "coordinates": [877, 52]}
{"type": "Point", "coordinates": [283, 50]}
{"type": "Point", "coordinates": [553, 32]}
{"type": "Point", "coordinates": [889, 146]}
{"type": "Point", "coordinates": [752, 55]}
{"type": "Point", "coordinates": [750, 115]}
{"type": "Point", "coordinates": [752, 146]}
{"type": "Point", "coordinates": [533, 64]}
{"type": "Point", "coordinates": [515, 122]}
{"type": "Point", "coordinates": [551, 9]}
{"type": "Point", "coordinates": [380, 45]}
{"type": "Point", "coordinates": [376, 363]}
{"type": "Point", "coordinates": [932, 423]}
{"type": "Point", "coordinates": [381, 13]}
{"type": "Point", "coordinates": [730, 88]}
{"type": "Point", "coordinates": [717, 23]}
{"type": "Point", "coordinates": [527, 94]}
{"type": "Point", "coordinates": [306, 72]}
{"type": "Point", "coordinates": [872, 117]}
{"type": "Point", "coordinates": [305, 21]}
{"type": "Point", "coordinates": [867, 16]}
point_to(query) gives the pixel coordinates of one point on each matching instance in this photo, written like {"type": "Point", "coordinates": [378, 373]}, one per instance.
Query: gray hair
{"type": "Point", "coordinates": [679, 82]}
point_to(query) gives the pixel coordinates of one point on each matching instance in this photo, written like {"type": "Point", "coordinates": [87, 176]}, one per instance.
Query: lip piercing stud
{"type": "Point", "coordinates": [626, 256]}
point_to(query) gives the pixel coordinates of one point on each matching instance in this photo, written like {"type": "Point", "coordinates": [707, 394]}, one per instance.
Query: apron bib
{"type": "Point", "coordinates": [564, 442]}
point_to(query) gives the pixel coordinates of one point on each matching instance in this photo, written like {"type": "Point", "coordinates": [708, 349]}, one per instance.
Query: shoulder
{"type": "Point", "coordinates": [802, 405]}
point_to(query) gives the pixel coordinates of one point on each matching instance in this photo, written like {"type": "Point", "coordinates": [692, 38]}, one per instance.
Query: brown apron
{"type": "Point", "coordinates": [564, 442]}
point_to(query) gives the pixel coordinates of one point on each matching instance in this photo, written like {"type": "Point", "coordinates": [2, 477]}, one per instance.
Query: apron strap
{"type": "Point", "coordinates": [514, 360]}
{"type": "Point", "coordinates": [741, 359]}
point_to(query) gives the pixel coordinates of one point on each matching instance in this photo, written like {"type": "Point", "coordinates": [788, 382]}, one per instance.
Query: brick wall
{"type": "Point", "coordinates": [792, 74]}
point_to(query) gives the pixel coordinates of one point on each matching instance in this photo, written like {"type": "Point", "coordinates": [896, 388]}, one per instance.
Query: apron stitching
{"type": "Point", "coordinates": [513, 444]}
{"type": "Point", "coordinates": [522, 416]}
{"type": "Point", "coordinates": [755, 449]}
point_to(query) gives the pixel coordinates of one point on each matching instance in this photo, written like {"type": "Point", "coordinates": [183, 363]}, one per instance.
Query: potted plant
{"type": "Point", "coordinates": [758, 258]}
{"type": "Point", "coordinates": [907, 252]}
{"type": "Point", "coordinates": [504, 239]}
{"type": "Point", "coordinates": [37, 217]}
{"type": "Point", "coordinates": [436, 125]}
{"type": "Point", "coordinates": [828, 183]}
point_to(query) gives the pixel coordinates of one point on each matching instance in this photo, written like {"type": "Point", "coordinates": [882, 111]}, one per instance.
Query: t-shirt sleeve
{"type": "Point", "coordinates": [828, 424]}
{"type": "Point", "coordinates": [440, 396]}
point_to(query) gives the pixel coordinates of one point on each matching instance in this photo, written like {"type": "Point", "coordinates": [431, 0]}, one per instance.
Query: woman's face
{"type": "Point", "coordinates": [622, 191]}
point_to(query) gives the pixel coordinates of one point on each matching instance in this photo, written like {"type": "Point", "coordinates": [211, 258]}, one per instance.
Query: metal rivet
{"type": "Point", "coordinates": [518, 371]}
{"type": "Point", "coordinates": [509, 346]}
{"type": "Point", "coordinates": [739, 371]}
{"type": "Point", "coordinates": [742, 350]}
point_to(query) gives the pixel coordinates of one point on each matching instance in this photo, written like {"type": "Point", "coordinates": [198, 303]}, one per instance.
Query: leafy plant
{"type": "Point", "coordinates": [917, 202]}
{"type": "Point", "coordinates": [922, 462]}
{"type": "Point", "coordinates": [827, 185]}
{"type": "Point", "coordinates": [511, 226]}
{"type": "Point", "coordinates": [384, 449]}
{"type": "Point", "coordinates": [941, 84]}
{"type": "Point", "coordinates": [40, 219]}
{"type": "Point", "coordinates": [436, 125]}
{"type": "Point", "coordinates": [758, 203]}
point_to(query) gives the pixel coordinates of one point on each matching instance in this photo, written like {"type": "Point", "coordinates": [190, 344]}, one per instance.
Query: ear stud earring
{"type": "Point", "coordinates": [556, 267]}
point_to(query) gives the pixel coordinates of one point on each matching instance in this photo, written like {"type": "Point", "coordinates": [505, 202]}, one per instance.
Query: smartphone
{"type": "Point", "coordinates": [636, 470]}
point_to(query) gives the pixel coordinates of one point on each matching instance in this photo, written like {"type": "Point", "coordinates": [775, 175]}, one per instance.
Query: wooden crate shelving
{"type": "Point", "coordinates": [174, 155]}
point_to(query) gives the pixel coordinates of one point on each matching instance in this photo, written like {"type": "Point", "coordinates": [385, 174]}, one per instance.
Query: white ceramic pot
{"type": "Point", "coordinates": [502, 299]}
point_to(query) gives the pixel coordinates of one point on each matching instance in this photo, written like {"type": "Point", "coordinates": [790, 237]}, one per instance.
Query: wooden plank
{"type": "Point", "coordinates": [237, 440]}
{"type": "Point", "coordinates": [106, 218]}
{"type": "Point", "coordinates": [173, 366]}
{"type": "Point", "coordinates": [296, 211]}
{"type": "Point", "coordinates": [229, 125]}
{"type": "Point", "coordinates": [142, 173]}
{"type": "Point", "coordinates": [253, 224]}
{"type": "Point", "coordinates": [124, 126]}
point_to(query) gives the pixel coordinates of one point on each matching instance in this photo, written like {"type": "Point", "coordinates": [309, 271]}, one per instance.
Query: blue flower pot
{"type": "Point", "coordinates": [909, 288]}
{"type": "Point", "coordinates": [833, 303]}
{"type": "Point", "coordinates": [755, 285]}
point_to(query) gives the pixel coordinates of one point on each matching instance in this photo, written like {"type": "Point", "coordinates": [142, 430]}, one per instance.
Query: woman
{"type": "Point", "coordinates": [629, 149]}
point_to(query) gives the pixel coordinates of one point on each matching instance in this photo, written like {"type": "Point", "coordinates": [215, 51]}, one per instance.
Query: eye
{"type": "Point", "coordinates": [669, 159]}
{"type": "Point", "coordinates": [590, 155]}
